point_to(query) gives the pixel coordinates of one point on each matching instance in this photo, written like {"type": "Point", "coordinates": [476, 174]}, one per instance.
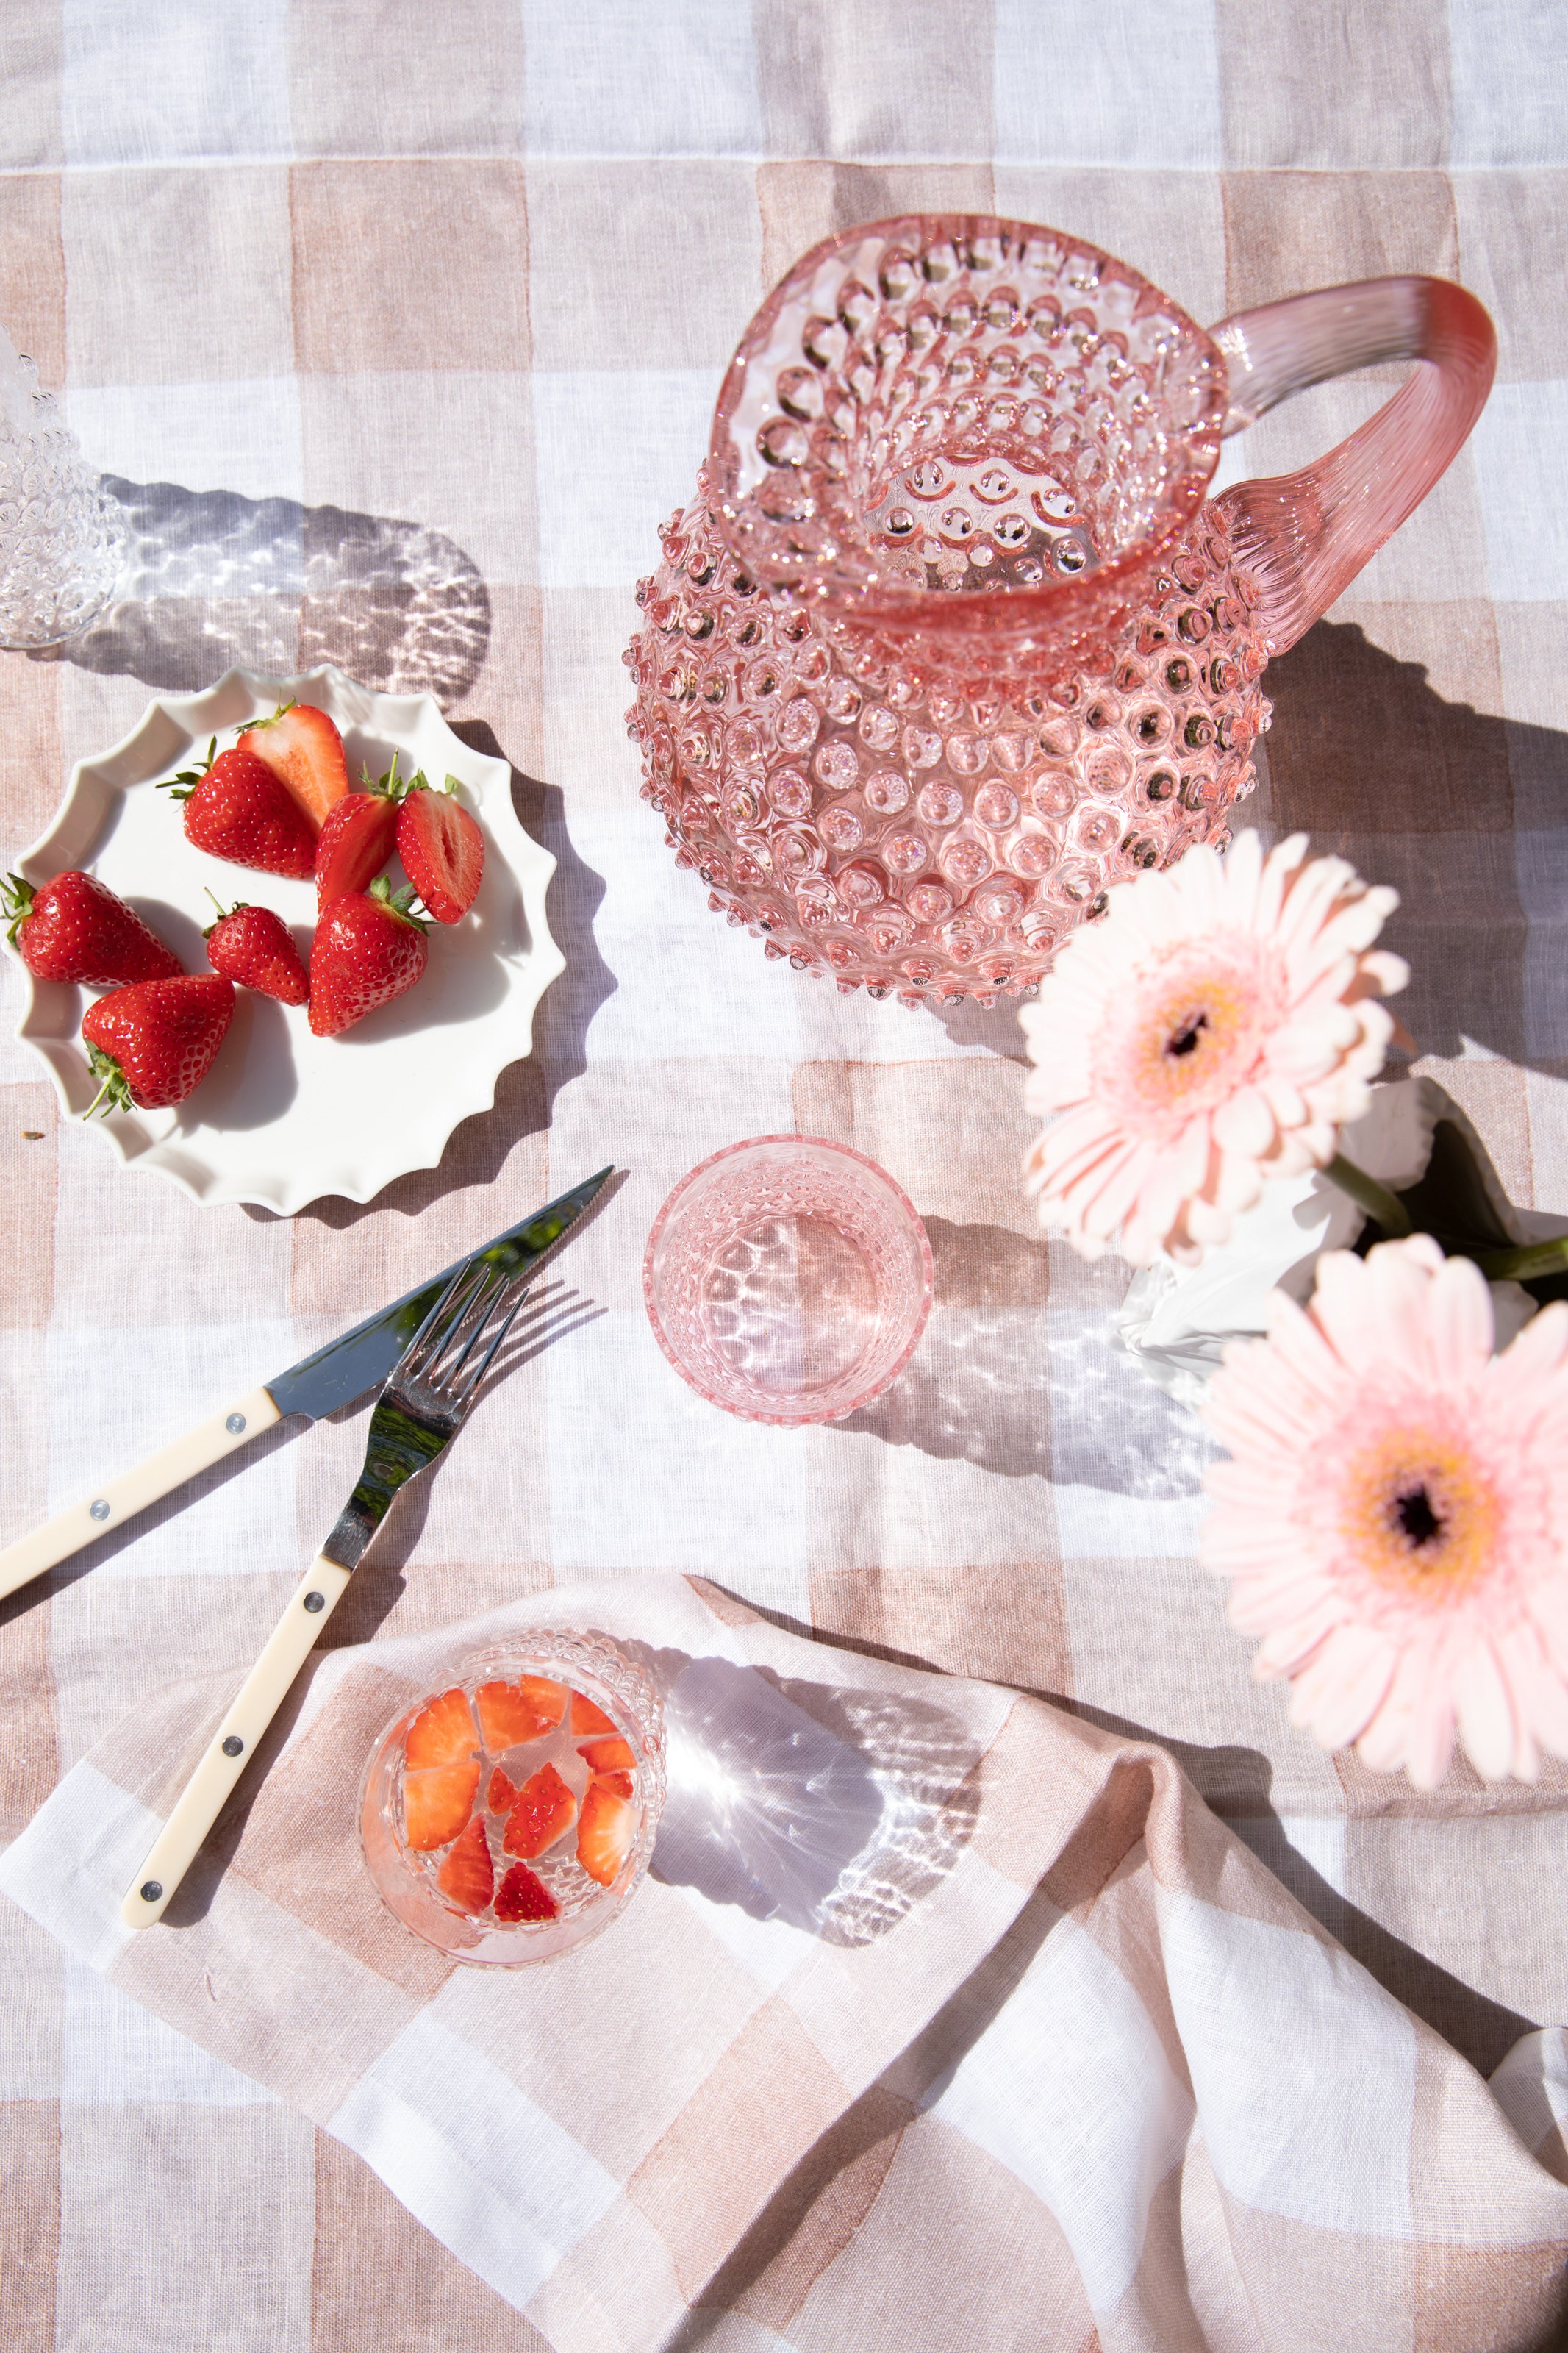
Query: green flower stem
{"type": "Point", "coordinates": [1374, 1198]}
{"type": "Point", "coordinates": [1524, 1263]}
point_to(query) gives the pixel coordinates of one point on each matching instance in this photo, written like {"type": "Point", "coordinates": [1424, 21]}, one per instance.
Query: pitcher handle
{"type": "Point", "coordinates": [1305, 536]}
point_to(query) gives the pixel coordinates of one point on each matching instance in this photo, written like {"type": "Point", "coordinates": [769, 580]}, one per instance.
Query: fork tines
{"type": "Point", "coordinates": [462, 1318]}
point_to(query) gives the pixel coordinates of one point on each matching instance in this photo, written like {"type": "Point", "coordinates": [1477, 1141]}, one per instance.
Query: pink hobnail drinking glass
{"type": "Point", "coordinates": [788, 1280]}
{"type": "Point", "coordinates": [948, 640]}
{"type": "Point", "coordinates": [609, 1729]}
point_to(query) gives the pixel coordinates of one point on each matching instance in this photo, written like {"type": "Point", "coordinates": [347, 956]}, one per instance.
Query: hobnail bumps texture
{"type": "Point", "coordinates": [958, 403]}
{"type": "Point", "coordinates": [61, 537]}
{"type": "Point", "coordinates": [904, 825]}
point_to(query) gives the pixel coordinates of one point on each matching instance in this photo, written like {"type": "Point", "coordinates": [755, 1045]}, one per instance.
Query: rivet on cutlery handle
{"type": "Point", "coordinates": [202, 1800]}
{"type": "Point", "coordinates": [115, 1501]}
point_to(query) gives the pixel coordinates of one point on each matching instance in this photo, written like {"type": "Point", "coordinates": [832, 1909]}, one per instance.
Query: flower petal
{"type": "Point", "coordinates": [1485, 1711]}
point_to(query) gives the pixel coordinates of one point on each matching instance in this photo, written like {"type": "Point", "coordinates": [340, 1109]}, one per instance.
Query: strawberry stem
{"type": "Point", "coordinates": [223, 913]}
{"type": "Point", "coordinates": [390, 787]}
{"type": "Point", "coordinates": [397, 902]}
{"type": "Point", "coordinates": [17, 893]}
{"type": "Point", "coordinates": [190, 778]}
{"type": "Point", "coordinates": [252, 725]}
{"type": "Point", "coordinates": [115, 1085]}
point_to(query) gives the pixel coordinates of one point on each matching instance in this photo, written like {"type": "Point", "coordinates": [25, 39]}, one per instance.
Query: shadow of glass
{"type": "Point", "coordinates": [214, 580]}
{"type": "Point", "coordinates": [995, 1029]}
{"type": "Point", "coordinates": [1001, 1381]}
{"type": "Point", "coordinates": [833, 1812]}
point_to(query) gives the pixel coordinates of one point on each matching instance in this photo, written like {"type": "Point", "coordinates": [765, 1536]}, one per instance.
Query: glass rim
{"type": "Point", "coordinates": [913, 1223]}
{"type": "Point", "coordinates": [977, 609]}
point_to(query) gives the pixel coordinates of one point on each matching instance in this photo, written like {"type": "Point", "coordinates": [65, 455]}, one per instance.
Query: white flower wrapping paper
{"type": "Point", "coordinates": [1176, 1323]}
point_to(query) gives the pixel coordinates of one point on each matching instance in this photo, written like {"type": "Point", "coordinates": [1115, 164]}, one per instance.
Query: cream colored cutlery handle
{"type": "Point", "coordinates": [202, 1800]}
{"type": "Point", "coordinates": [115, 1502]}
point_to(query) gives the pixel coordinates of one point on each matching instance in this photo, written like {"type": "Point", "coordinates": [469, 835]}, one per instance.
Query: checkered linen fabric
{"type": "Point", "coordinates": [400, 330]}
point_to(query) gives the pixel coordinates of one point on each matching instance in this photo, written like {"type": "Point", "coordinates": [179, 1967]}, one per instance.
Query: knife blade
{"type": "Point", "coordinates": [357, 1361]}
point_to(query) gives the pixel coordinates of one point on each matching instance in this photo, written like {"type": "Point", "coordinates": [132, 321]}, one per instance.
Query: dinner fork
{"type": "Point", "coordinates": [423, 1406]}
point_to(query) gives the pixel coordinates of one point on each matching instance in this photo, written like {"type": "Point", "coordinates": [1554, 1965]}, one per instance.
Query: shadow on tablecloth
{"type": "Point", "coordinates": [1005, 1381]}
{"type": "Point", "coordinates": [214, 581]}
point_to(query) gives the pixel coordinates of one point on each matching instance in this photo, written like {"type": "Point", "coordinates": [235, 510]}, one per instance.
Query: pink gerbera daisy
{"type": "Point", "coordinates": [1218, 1027]}
{"type": "Point", "coordinates": [1394, 1518]}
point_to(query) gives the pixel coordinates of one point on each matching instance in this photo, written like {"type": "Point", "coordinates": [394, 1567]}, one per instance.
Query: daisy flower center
{"type": "Point", "coordinates": [1419, 1514]}
{"type": "Point", "coordinates": [1191, 1028]}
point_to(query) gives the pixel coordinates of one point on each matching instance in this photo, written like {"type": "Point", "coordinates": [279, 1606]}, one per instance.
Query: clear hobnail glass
{"type": "Point", "coordinates": [62, 537]}
{"type": "Point", "coordinates": [947, 641]}
{"type": "Point", "coordinates": [600, 1671]}
{"type": "Point", "coordinates": [788, 1280]}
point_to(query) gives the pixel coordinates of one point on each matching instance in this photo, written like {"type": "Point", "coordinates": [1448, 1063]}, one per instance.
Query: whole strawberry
{"type": "Point", "coordinates": [154, 1042]}
{"type": "Point", "coordinates": [73, 928]}
{"type": "Point", "coordinates": [441, 847]}
{"type": "Point", "coordinates": [254, 947]}
{"type": "Point", "coordinates": [367, 950]}
{"type": "Point", "coordinates": [236, 808]}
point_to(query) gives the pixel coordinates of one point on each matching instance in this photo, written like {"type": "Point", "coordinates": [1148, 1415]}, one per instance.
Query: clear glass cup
{"type": "Point", "coordinates": [62, 536]}
{"type": "Point", "coordinates": [788, 1279]}
{"type": "Point", "coordinates": [614, 1738]}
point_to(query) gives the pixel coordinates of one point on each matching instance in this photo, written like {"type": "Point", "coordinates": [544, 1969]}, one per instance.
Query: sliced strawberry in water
{"type": "Point", "coordinates": [354, 845]}
{"type": "Point", "coordinates": [442, 850]}
{"type": "Point", "coordinates": [525, 1710]}
{"type": "Point", "coordinates": [436, 1803]}
{"type": "Point", "coordinates": [441, 1732]}
{"type": "Point", "coordinates": [618, 1784]}
{"type": "Point", "coordinates": [612, 1755]}
{"type": "Point", "coordinates": [606, 1830]}
{"type": "Point", "coordinates": [522, 1895]}
{"type": "Point", "coordinates": [503, 1794]}
{"type": "Point", "coordinates": [467, 1877]}
{"type": "Point", "coordinates": [542, 1813]}
{"type": "Point", "coordinates": [586, 1717]}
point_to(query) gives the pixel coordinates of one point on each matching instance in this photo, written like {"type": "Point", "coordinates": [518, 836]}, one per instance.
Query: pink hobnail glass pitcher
{"type": "Point", "coordinates": [949, 641]}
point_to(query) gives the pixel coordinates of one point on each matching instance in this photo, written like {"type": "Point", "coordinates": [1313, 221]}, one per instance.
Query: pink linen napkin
{"type": "Point", "coordinates": [1014, 1958]}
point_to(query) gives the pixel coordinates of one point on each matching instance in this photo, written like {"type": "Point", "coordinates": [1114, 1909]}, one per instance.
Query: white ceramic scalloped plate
{"type": "Point", "coordinates": [284, 1117]}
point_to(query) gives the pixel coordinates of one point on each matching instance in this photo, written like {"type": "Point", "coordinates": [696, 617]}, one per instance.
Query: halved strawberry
{"type": "Point", "coordinates": [619, 1783]}
{"type": "Point", "coordinates": [586, 1717]}
{"type": "Point", "coordinates": [542, 1814]}
{"type": "Point", "coordinates": [606, 1828]}
{"type": "Point", "coordinates": [522, 1895]}
{"type": "Point", "coordinates": [441, 1732]}
{"type": "Point", "coordinates": [305, 753]}
{"type": "Point", "coordinates": [441, 847]}
{"type": "Point", "coordinates": [357, 840]}
{"type": "Point", "coordinates": [524, 1710]}
{"type": "Point", "coordinates": [436, 1803]}
{"type": "Point", "coordinates": [611, 1755]}
{"type": "Point", "coordinates": [467, 1876]}
{"type": "Point", "coordinates": [503, 1792]}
